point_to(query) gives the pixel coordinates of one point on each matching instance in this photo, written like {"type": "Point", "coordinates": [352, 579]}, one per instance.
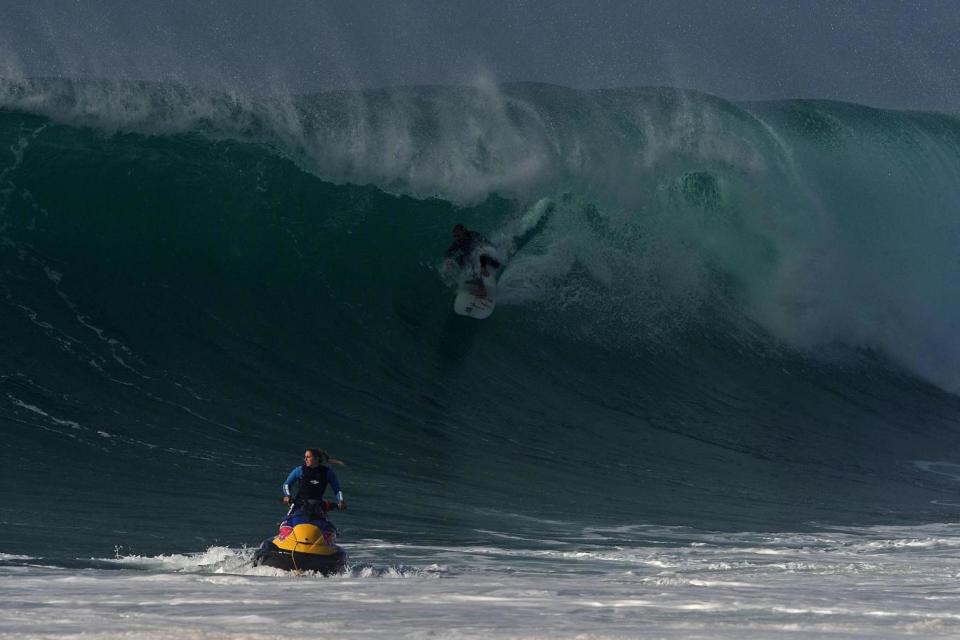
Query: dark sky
{"type": "Point", "coordinates": [897, 54]}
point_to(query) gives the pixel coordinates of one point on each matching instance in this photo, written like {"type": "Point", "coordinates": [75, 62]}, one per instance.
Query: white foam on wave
{"type": "Point", "coordinates": [224, 561]}
{"type": "Point", "coordinates": [876, 582]}
{"type": "Point", "coordinates": [214, 558]}
{"type": "Point", "coordinates": [37, 410]}
{"type": "Point", "coordinates": [949, 469]}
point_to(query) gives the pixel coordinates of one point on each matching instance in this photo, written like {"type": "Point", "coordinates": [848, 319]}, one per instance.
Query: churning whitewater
{"type": "Point", "coordinates": [717, 396]}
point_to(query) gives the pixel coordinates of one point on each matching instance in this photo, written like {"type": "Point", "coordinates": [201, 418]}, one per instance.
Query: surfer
{"type": "Point", "coordinates": [471, 245]}
{"type": "Point", "coordinates": [312, 477]}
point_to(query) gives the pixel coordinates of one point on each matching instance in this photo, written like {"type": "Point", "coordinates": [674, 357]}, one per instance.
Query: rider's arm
{"type": "Point", "coordinates": [293, 477]}
{"type": "Point", "coordinates": [334, 484]}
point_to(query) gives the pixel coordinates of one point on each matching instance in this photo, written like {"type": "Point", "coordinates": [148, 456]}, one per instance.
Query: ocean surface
{"type": "Point", "coordinates": [717, 398]}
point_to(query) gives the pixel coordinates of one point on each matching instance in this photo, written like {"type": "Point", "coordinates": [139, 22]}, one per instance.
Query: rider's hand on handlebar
{"type": "Point", "coordinates": [286, 499]}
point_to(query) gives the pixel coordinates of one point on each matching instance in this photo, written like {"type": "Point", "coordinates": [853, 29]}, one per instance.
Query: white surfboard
{"type": "Point", "coordinates": [472, 302]}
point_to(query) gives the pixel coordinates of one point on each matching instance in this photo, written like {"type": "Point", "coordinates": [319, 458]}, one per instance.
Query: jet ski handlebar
{"type": "Point", "coordinates": [326, 505]}
{"type": "Point", "coordinates": [330, 505]}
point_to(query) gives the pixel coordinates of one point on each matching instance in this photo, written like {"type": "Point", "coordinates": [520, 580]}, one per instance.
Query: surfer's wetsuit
{"type": "Point", "coordinates": [462, 249]}
{"type": "Point", "coordinates": [313, 483]}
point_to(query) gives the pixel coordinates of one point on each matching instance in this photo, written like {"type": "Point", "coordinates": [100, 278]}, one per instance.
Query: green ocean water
{"type": "Point", "coordinates": [732, 317]}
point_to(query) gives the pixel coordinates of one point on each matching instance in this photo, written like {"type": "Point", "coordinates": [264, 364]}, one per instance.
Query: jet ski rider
{"type": "Point", "coordinates": [312, 477]}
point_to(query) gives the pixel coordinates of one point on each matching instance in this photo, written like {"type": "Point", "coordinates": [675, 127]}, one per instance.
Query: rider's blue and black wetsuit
{"type": "Point", "coordinates": [313, 483]}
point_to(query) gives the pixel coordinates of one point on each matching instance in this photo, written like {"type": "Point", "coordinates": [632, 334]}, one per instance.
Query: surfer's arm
{"type": "Point", "coordinates": [487, 260]}
{"type": "Point", "coordinates": [293, 477]}
{"type": "Point", "coordinates": [453, 250]}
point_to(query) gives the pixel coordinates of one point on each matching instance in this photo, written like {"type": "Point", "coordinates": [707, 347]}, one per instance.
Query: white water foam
{"type": "Point", "coordinates": [878, 582]}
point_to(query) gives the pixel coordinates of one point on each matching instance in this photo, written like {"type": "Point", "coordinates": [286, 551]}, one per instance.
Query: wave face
{"type": "Point", "coordinates": [727, 315]}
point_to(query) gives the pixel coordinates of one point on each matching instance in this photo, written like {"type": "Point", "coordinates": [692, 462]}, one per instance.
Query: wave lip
{"type": "Point", "coordinates": [824, 223]}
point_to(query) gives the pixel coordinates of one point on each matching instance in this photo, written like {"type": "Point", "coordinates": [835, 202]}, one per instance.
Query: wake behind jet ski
{"type": "Point", "coordinates": [306, 541]}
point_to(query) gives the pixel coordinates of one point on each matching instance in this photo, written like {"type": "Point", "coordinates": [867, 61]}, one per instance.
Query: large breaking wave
{"type": "Point", "coordinates": [728, 312]}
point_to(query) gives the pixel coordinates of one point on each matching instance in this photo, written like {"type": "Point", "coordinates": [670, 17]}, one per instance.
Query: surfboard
{"type": "Point", "coordinates": [472, 303]}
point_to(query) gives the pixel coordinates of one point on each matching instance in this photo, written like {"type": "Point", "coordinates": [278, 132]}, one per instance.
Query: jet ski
{"type": "Point", "coordinates": [306, 541]}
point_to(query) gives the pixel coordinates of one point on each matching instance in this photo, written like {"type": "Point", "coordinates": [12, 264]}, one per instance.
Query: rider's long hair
{"type": "Point", "coordinates": [324, 457]}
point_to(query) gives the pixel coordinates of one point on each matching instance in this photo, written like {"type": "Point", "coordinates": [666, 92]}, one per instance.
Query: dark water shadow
{"type": "Point", "coordinates": [457, 338]}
